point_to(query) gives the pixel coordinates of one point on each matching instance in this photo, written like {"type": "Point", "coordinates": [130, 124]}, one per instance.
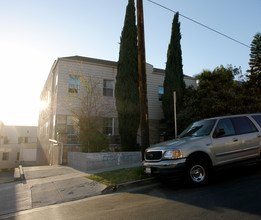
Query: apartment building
{"type": "Point", "coordinates": [17, 146]}
{"type": "Point", "coordinates": [62, 96]}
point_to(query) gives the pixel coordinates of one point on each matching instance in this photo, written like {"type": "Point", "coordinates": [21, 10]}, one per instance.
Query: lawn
{"type": "Point", "coordinates": [115, 177]}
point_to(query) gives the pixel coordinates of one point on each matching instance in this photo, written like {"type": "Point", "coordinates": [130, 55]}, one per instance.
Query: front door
{"type": "Point", "coordinates": [225, 144]}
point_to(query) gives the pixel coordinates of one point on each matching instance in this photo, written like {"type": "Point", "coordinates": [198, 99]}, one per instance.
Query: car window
{"type": "Point", "coordinates": [227, 126]}
{"type": "Point", "coordinates": [257, 119]}
{"type": "Point", "coordinates": [243, 125]}
{"type": "Point", "coordinates": [199, 128]}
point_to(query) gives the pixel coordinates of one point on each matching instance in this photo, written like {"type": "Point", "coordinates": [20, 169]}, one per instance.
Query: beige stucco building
{"type": "Point", "coordinates": [63, 92]}
{"type": "Point", "coordinates": [18, 145]}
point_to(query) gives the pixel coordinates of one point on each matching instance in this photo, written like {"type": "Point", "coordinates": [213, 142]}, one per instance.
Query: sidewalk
{"type": "Point", "coordinates": [46, 185]}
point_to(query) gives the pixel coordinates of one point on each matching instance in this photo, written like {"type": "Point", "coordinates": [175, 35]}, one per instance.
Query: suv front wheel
{"type": "Point", "coordinates": [197, 172]}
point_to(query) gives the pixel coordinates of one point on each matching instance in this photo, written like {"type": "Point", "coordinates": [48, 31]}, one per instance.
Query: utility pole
{"type": "Point", "coordinates": [144, 113]}
{"type": "Point", "coordinates": [175, 114]}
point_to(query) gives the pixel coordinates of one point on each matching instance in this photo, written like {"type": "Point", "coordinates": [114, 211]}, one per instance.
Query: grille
{"type": "Point", "coordinates": [153, 155]}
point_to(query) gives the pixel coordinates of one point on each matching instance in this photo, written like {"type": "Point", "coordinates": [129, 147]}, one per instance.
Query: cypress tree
{"type": "Point", "coordinates": [174, 79]}
{"type": "Point", "coordinates": [127, 82]}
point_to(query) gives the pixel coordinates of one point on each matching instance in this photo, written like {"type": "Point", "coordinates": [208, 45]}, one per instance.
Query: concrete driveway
{"type": "Point", "coordinates": [46, 185]}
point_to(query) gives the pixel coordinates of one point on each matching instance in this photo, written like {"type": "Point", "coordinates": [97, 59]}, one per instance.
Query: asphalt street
{"type": "Point", "coordinates": [231, 194]}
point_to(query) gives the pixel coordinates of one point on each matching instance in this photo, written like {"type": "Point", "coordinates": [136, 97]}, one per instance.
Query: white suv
{"type": "Point", "coordinates": [206, 144]}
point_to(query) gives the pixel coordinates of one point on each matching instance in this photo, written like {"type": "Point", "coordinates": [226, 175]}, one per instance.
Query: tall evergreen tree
{"type": "Point", "coordinates": [174, 79]}
{"type": "Point", "coordinates": [218, 93]}
{"type": "Point", "coordinates": [255, 64]}
{"type": "Point", "coordinates": [127, 82]}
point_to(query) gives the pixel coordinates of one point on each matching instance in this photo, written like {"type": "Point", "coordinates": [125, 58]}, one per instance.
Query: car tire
{"type": "Point", "coordinates": [197, 172]}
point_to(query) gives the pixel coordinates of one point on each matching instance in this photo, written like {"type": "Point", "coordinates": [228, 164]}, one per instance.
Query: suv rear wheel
{"type": "Point", "coordinates": [197, 172]}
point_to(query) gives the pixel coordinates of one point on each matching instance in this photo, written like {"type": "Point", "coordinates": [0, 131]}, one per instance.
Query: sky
{"type": "Point", "coordinates": [34, 33]}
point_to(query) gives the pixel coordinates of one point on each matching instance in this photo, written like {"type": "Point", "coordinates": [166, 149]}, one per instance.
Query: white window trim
{"type": "Point", "coordinates": [113, 87]}
{"type": "Point", "coordinates": [112, 133]}
{"type": "Point", "coordinates": [72, 86]}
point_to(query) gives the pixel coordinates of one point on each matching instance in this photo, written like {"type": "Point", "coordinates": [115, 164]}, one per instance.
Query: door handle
{"type": "Point", "coordinates": [259, 135]}
{"type": "Point", "coordinates": [235, 139]}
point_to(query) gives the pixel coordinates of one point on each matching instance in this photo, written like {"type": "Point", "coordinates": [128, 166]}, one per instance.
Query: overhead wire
{"type": "Point", "coordinates": [205, 26]}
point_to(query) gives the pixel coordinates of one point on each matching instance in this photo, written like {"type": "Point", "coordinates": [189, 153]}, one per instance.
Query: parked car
{"type": "Point", "coordinates": [207, 144]}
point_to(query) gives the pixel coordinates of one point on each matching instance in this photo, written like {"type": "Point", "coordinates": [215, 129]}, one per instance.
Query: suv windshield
{"type": "Point", "coordinates": [199, 128]}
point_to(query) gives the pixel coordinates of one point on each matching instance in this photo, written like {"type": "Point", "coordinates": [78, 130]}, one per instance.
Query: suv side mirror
{"type": "Point", "coordinates": [220, 132]}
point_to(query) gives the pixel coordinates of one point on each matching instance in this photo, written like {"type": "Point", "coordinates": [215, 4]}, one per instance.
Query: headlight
{"type": "Point", "coordinates": [172, 154]}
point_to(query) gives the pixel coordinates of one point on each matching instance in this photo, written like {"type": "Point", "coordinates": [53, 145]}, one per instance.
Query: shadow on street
{"type": "Point", "coordinates": [236, 188]}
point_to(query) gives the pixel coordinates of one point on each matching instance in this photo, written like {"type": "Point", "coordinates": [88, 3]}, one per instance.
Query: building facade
{"type": "Point", "coordinates": [77, 83]}
{"type": "Point", "coordinates": [17, 146]}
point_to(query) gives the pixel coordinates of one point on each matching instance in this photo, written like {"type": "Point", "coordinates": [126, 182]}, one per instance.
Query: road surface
{"type": "Point", "coordinates": [233, 194]}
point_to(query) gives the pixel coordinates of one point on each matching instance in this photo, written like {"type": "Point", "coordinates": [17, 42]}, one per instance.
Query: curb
{"type": "Point", "coordinates": [128, 185]}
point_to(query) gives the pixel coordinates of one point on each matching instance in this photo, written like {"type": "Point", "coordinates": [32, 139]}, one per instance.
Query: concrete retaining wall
{"type": "Point", "coordinates": [93, 161]}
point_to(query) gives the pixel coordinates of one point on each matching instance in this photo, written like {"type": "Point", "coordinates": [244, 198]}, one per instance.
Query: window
{"type": "Point", "coordinates": [5, 156]}
{"type": "Point", "coordinates": [6, 140]}
{"type": "Point", "coordinates": [108, 87]}
{"type": "Point", "coordinates": [20, 140]}
{"type": "Point", "coordinates": [199, 128]}
{"type": "Point", "coordinates": [227, 126]}
{"type": "Point", "coordinates": [108, 126]}
{"type": "Point", "coordinates": [257, 119]}
{"type": "Point", "coordinates": [243, 125]}
{"type": "Point", "coordinates": [72, 139]}
{"type": "Point", "coordinates": [26, 140]}
{"type": "Point", "coordinates": [72, 124]}
{"type": "Point", "coordinates": [18, 156]}
{"type": "Point", "coordinates": [161, 93]}
{"type": "Point", "coordinates": [74, 84]}
{"type": "Point", "coordinates": [72, 130]}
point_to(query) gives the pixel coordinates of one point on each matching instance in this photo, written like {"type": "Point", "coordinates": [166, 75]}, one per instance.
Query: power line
{"type": "Point", "coordinates": [205, 26]}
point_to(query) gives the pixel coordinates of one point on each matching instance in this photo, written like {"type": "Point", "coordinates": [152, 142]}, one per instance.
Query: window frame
{"type": "Point", "coordinates": [72, 139]}
{"type": "Point", "coordinates": [257, 119]}
{"type": "Point", "coordinates": [71, 121]}
{"type": "Point", "coordinates": [160, 95]}
{"type": "Point", "coordinates": [20, 140]}
{"type": "Point", "coordinates": [74, 85]}
{"type": "Point", "coordinates": [18, 155]}
{"type": "Point", "coordinates": [249, 121]}
{"type": "Point", "coordinates": [222, 136]}
{"type": "Point", "coordinates": [26, 140]}
{"type": "Point", "coordinates": [235, 127]}
{"type": "Point", "coordinates": [106, 126]}
{"type": "Point", "coordinates": [6, 140]}
{"type": "Point", "coordinates": [105, 88]}
{"type": "Point", "coordinates": [5, 156]}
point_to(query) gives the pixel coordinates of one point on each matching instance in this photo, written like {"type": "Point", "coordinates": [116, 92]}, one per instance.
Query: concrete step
{"type": "Point", "coordinates": [19, 173]}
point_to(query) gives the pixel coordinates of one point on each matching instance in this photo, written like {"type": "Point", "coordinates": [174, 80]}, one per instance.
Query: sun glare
{"type": "Point", "coordinates": [43, 105]}
{"type": "Point", "coordinates": [20, 112]}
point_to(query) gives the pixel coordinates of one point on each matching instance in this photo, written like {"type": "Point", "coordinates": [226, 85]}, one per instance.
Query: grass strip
{"type": "Point", "coordinates": [115, 177]}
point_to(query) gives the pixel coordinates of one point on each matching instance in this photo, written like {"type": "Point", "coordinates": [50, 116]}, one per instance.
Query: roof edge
{"type": "Point", "coordinates": [107, 62]}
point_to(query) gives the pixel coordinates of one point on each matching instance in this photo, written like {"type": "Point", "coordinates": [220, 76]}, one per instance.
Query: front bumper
{"type": "Point", "coordinates": [164, 167]}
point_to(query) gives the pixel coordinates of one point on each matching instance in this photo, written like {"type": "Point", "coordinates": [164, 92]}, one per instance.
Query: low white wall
{"type": "Point", "coordinates": [93, 161]}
